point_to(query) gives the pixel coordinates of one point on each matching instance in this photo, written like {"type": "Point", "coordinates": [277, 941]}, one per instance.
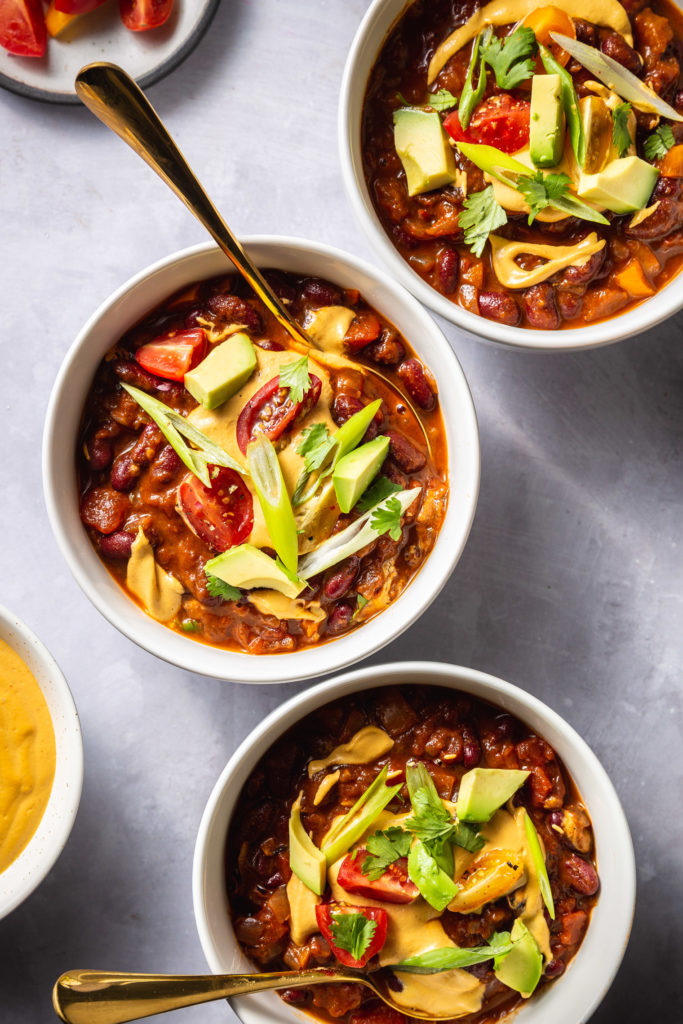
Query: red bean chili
{"type": "Point", "coordinates": [129, 477]}
{"type": "Point", "coordinates": [449, 732]}
{"type": "Point", "coordinates": [425, 227]}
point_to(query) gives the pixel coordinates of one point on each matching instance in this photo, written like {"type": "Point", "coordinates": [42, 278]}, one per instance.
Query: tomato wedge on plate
{"type": "Point", "coordinates": [22, 27]}
{"type": "Point", "coordinates": [393, 886]}
{"type": "Point", "coordinates": [77, 6]}
{"type": "Point", "coordinates": [501, 121]}
{"type": "Point", "coordinates": [139, 15]}
{"type": "Point", "coordinates": [270, 411]}
{"type": "Point", "coordinates": [221, 515]}
{"type": "Point", "coordinates": [172, 355]}
{"type": "Point", "coordinates": [327, 912]}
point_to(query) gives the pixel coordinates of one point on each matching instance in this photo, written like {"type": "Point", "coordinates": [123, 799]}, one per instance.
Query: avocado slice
{"type": "Point", "coordinates": [484, 790]}
{"type": "Point", "coordinates": [597, 130]}
{"type": "Point", "coordinates": [355, 471]}
{"type": "Point", "coordinates": [521, 968]}
{"type": "Point", "coordinates": [248, 567]}
{"type": "Point", "coordinates": [622, 186]}
{"type": "Point", "coordinates": [305, 859]}
{"type": "Point", "coordinates": [226, 368]}
{"type": "Point", "coordinates": [423, 149]}
{"type": "Point", "coordinates": [547, 121]}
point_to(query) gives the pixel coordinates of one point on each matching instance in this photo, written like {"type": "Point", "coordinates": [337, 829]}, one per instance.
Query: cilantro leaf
{"type": "Point", "coordinates": [511, 58]}
{"type": "Point", "coordinates": [387, 519]}
{"type": "Point", "coordinates": [431, 821]}
{"type": "Point", "coordinates": [384, 848]}
{"type": "Point", "coordinates": [382, 488]}
{"type": "Point", "coordinates": [316, 444]}
{"type": "Point", "coordinates": [296, 377]}
{"type": "Point", "coordinates": [481, 214]}
{"type": "Point", "coordinates": [621, 136]}
{"type": "Point", "coordinates": [360, 605]}
{"type": "Point", "coordinates": [442, 100]}
{"type": "Point", "coordinates": [219, 588]}
{"type": "Point", "coordinates": [659, 143]}
{"type": "Point", "coordinates": [541, 190]}
{"type": "Point", "coordinates": [352, 932]}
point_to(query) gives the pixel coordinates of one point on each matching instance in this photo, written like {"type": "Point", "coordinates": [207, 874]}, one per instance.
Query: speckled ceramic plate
{"type": "Point", "coordinates": [101, 35]}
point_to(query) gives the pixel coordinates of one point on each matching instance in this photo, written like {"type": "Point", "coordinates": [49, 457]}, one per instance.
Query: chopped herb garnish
{"type": "Point", "coordinates": [316, 447]}
{"type": "Point", "coordinates": [360, 605]}
{"type": "Point", "coordinates": [442, 100]}
{"type": "Point", "coordinates": [189, 625]}
{"type": "Point", "coordinates": [541, 190]}
{"type": "Point", "coordinates": [659, 143]}
{"type": "Point", "coordinates": [387, 519]}
{"type": "Point", "coordinates": [621, 136]}
{"type": "Point", "coordinates": [384, 848]}
{"type": "Point", "coordinates": [431, 821]}
{"type": "Point", "coordinates": [219, 588]}
{"type": "Point", "coordinates": [296, 377]}
{"type": "Point", "coordinates": [481, 214]}
{"type": "Point", "coordinates": [352, 932]}
{"type": "Point", "coordinates": [402, 100]}
{"type": "Point", "coordinates": [382, 488]}
{"type": "Point", "coordinates": [511, 58]}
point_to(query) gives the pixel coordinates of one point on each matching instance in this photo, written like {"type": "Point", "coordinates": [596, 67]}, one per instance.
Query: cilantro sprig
{"type": "Point", "coordinates": [387, 519]}
{"type": "Point", "coordinates": [431, 821]}
{"type": "Point", "coordinates": [659, 143]}
{"type": "Point", "coordinates": [621, 136]}
{"type": "Point", "coordinates": [541, 190]}
{"type": "Point", "coordinates": [296, 377]}
{"type": "Point", "coordinates": [382, 488]}
{"type": "Point", "coordinates": [384, 847]}
{"type": "Point", "coordinates": [352, 932]}
{"type": "Point", "coordinates": [316, 447]}
{"type": "Point", "coordinates": [511, 58]}
{"type": "Point", "coordinates": [219, 588]}
{"type": "Point", "coordinates": [481, 214]}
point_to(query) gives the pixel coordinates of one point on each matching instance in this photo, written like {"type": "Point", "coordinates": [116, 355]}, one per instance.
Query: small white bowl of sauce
{"type": "Point", "coordinates": [41, 761]}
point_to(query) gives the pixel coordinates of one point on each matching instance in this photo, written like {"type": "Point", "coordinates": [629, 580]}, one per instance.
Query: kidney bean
{"type": "Point", "coordinates": [616, 47]}
{"type": "Point", "coordinates": [412, 373]}
{"type": "Point", "coordinates": [555, 819]}
{"type": "Point", "coordinates": [116, 545]}
{"type": "Point", "coordinates": [147, 445]}
{"type": "Point", "coordinates": [579, 874]}
{"type": "Point", "coordinates": [292, 995]}
{"type": "Point", "coordinates": [124, 472]}
{"type": "Point", "coordinates": [345, 406]}
{"type": "Point", "coordinates": [666, 218]}
{"type": "Point", "coordinates": [584, 274]}
{"type": "Point", "coordinates": [320, 293]}
{"type": "Point", "coordinates": [569, 303]}
{"type": "Point", "coordinates": [471, 751]}
{"type": "Point", "coordinates": [393, 473]}
{"type": "Point", "coordinates": [166, 465]}
{"type": "Point", "coordinates": [268, 345]}
{"type": "Point", "coordinates": [540, 307]}
{"type": "Point", "coordinates": [555, 968]}
{"type": "Point", "coordinates": [501, 307]}
{"type": "Point", "coordinates": [585, 31]}
{"type": "Point", "coordinates": [130, 372]}
{"type": "Point", "coordinates": [234, 310]}
{"type": "Point", "coordinates": [364, 329]}
{"type": "Point", "coordinates": [387, 350]}
{"type": "Point", "coordinates": [446, 270]}
{"type": "Point", "coordinates": [667, 187]}
{"type": "Point", "coordinates": [340, 617]}
{"type": "Point", "coordinates": [104, 509]}
{"type": "Point", "coordinates": [100, 452]}
{"type": "Point", "coordinates": [338, 583]}
{"type": "Point", "coordinates": [282, 288]}
{"type": "Point", "coordinates": [409, 458]}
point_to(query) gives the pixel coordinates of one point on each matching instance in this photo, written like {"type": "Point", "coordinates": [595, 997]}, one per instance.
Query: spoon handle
{"type": "Point", "coordinates": [116, 100]}
{"type": "Point", "coordinates": [107, 997]}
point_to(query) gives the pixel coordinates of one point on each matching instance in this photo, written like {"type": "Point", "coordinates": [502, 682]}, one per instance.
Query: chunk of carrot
{"type": "Point", "coordinates": [632, 279]}
{"type": "Point", "coordinates": [671, 165]}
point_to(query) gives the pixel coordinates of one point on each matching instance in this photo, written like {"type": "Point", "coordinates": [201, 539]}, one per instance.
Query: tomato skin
{"type": "Point", "coordinates": [77, 6]}
{"type": "Point", "coordinates": [22, 28]}
{"type": "Point", "coordinates": [323, 913]}
{"type": "Point", "coordinates": [393, 886]}
{"type": "Point", "coordinates": [501, 121]}
{"type": "Point", "coordinates": [172, 355]}
{"type": "Point", "coordinates": [282, 413]}
{"type": "Point", "coordinates": [140, 15]}
{"type": "Point", "coordinates": [221, 515]}
{"type": "Point", "coordinates": [381, 1014]}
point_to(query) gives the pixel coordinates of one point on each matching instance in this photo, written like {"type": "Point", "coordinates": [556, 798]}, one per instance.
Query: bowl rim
{"type": "Point", "coordinates": [614, 844]}
{"type": "Point", "coordinates": [322, 659]}
{"type": "Point", "coordinates": [380, 18]}
{"type": "Point", "coordinates": [40, 854]}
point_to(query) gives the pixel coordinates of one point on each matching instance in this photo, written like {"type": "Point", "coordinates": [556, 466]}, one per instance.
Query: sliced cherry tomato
{"type": "Point", "coordinates": [393, 886]}
{"type": "Point", "coordinates": [543, 21]}
{"type": "Point", "coordinates": [501, 121]}
{"type": "Point", "coordinates": [77, 6]}
{"type": "Point", "coordinates": [139, 15]}
{"type": "Point", "coordinates": [324, 912]}
{"type": "Point", "coordinates": [22, 27]}
{"type": "Point", "coordinates": [221, 515]}
{"type": "Point", "coordinates": [172, 355]}
{"type": "Point", "coordinates": [270, 411]}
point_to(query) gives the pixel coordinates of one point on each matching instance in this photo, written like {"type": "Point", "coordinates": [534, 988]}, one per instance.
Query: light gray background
{"type": "Point", "coordinates": [570, 585]}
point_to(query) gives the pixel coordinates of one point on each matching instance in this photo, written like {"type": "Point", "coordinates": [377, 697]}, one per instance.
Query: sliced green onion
{"type": "Point", "coordinates": [471, 96]}
{"type": "Point", "coordinates": [271, 490]}
{"type": "Point", "coordinates": [539, 864]}
{"type": "Point", "coordinates": [359, 818]}
{"type": "Point", "coordinates": [451, 957]}
{"type": "Point", "coordinates": [570, 102]}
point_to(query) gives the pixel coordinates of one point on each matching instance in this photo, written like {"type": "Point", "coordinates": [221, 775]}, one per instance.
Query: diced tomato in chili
{"type": "Point", "coordinates": [222, 515]}
{"type": "Point", "coordinates": [393, 886]}
{"type": "Point", "coordinates": [271, 412]}
{"type": "Point", "coordinates": [139, 15]}
{"type": "Point", "coordinates": [501, 121]}
{"type": "Point", "coordinates": [77, 6]}
{"type": "Point", "coordinates": [377, 1015]}
{"type": "Point", "coordinates": [22, 27]}
{"type": "Point", "coordinates": [172, 355]}
{"type": "Point", "coordinates": [324, 912]}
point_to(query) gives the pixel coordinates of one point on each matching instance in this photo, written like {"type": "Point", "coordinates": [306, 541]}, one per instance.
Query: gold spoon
{"type": "Point", "coordinates": [106, 997]}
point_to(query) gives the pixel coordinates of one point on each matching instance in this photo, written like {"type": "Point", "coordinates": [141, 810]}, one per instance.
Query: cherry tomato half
{"type": "Point", "coordinates": [501, 121]}
{"type": "Point", "coordinates": [77, 6]}
{"type": "Point", "coordinates": [221, 515]}
{"type": "Point", "coordinates": [22, 27]}
{"type": "Point", "coordinates": [270, 411]}
{"type": "Point", "coordinates": [393, 886]}
{"type": "Point", "coordinates": [139, 15]}
{"type": "Point", "coordinates": [323, 913]}
{"type": "Point", "coordinates": [172, 355]}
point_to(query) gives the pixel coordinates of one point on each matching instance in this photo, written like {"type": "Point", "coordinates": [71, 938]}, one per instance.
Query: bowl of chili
{"type": "Point", "coordinates": [473, 227]}
{"type": "Point", "coordinates": [122, 502]}
{"type": "Point", "coordinates": [452, 723]}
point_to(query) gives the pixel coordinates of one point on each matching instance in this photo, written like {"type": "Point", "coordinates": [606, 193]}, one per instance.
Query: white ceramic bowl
{"type": "Point", "coordinates": [39, 855]}
{"type": "Point", "coordinates": [572, 998]}
{"type": "Point", "coordinates": [130, 303]}
{"type": "Point", "coordinates": [374, 28]}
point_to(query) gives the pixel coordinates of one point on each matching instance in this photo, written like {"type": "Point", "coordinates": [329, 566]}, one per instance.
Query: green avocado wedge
{"type": "Point", "coordinates": [483, 790]}
{"type": "Point", "coordinates": [249, 568]}
{"type": "Point", "coordinates": [521, 968]}
{"type": "Point", "coordinates": [223, 372]}
{"type": "Point", "coordinates": [354, 473]}
{"type": "Point", "coordinates": [305, 859]}
{"type": "Point", "coordinates": [271, 489]}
